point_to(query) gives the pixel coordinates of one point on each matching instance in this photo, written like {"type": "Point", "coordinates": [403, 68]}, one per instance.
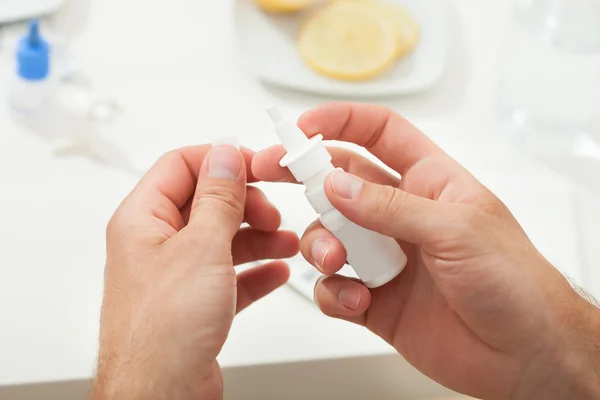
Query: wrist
{"type": "Point", "coordinates": [130, 381]}
{"type": "Point", "coordinates": [569, 365]}
{"type": "Point", "coordinates": [580, 355]}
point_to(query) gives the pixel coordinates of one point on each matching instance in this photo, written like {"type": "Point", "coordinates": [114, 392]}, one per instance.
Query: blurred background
{"type": "Point", "coordinates": [511, 89]}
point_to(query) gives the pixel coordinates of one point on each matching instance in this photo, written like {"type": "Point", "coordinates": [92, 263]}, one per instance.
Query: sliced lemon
{"type": "Point", "coordinates": [349, 40]}
{"type": "Point", "coordinates": [407, 28]}
{"type": "Point", "coordinates": [284, 6]}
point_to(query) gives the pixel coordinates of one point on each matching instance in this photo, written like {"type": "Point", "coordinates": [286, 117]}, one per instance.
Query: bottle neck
{"type": "Point", "coordinates": [317, 181]}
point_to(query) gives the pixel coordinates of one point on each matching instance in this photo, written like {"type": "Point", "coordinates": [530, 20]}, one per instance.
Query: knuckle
{"type": "Point", "coordinates": [218, 198]}
{"type": "Point", "coordinates": [390, 203]}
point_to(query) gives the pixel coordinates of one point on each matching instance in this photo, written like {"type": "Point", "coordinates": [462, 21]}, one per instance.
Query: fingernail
{"type": "Point", "coordinates": [345, 185]}
{"type": "Point", "coordinates": [224, 163]}
{"type": "Point", "coordinates": [319, 280]}
{"type": "Point", "coordinates": [226, 140]}
{"type": "Point", "coordinates": [319, 250]}
{"type": "Point", "coordinates": [349, 298]}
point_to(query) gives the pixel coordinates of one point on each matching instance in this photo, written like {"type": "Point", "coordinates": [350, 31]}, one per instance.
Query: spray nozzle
{"type": "Point", "coordinates": [292, 138]}
{"type": "Point", "coordinates": [275, 114]}
{"type": "Point", "coordinates": [33, 37]}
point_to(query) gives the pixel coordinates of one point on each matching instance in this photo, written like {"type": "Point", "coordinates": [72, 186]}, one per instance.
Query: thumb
{"type": "Point", "coordinates": [385, 209]}
{"type": "Point", "coordinates": [218, 204]}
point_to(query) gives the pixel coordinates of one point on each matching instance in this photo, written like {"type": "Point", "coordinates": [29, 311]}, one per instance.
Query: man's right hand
{"type": "Point", "coordinates": [478, 308]}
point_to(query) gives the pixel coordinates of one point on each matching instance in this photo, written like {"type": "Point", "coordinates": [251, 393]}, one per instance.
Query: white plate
{"type": "Point", "coordinates": [268, 43]}
{"type": "Point", "coordinates": [15, 10]}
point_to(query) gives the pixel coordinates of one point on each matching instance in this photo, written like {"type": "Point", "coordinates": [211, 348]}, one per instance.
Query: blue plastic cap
{"type": "Point", "coordinates": [33, 55]}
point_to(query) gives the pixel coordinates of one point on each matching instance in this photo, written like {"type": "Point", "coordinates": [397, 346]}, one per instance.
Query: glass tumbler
{"type": "Point", "coordinates": [549, 83]}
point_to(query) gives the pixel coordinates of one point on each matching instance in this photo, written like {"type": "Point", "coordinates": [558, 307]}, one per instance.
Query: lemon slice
{"type": "Point", "coordinates": [407, 28]}
{"type": "Point", "coordinates": [349, 40]}
{"type": "Point", "coordinates": [284, 6]}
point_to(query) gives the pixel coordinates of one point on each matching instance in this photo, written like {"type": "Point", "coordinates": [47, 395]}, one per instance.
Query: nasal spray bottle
{"type": "Point", "coordinates": [375, 258]}
{"type": "Point", "coordinates": [33, 88]}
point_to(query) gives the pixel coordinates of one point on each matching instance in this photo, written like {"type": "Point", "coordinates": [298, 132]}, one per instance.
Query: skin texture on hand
{"type": "Point", "coordinates": [171, 291]}
{"type": "Point", "coordinates": [477, 308]}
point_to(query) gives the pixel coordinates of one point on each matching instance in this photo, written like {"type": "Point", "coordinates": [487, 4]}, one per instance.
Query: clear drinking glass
{"type": "Point", "coordinates": [549, 86]}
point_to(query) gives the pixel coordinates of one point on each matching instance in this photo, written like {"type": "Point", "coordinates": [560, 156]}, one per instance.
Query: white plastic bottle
{"type": "Point", "coordinates": [375, 258]}
{"type": "Point", "coordinates": [32, 89]}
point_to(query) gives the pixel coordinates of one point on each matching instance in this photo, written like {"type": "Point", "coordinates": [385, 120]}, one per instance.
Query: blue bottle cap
{"type": "Point", "coordinates": [33, 55]}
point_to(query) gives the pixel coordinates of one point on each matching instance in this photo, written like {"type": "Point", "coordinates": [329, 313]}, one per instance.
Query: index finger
{"type": "Point", "coordinates": [387, 135]}
{"type": "Point", "coordinates": [265, 166]}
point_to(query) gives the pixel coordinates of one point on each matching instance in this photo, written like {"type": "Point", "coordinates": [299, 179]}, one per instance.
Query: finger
{"type": "Point", "coordinates": [388, 210]}
{"type": "Point", "coordinates": [155, 204]}
{"type": "Point", "coordinates": [344, 298]}
{"type": "Point", "coordinates": [258, 282]}
{"type": "Point", "coordinates": [186, 210]}
{"type": "Point", "coordinates": [260, 213]}
{"type": "Point", "coordinates": [252, 245]}
{"type": "Point", "coordinates": [320, 248]}
{"type": "Point", "coordinates": [175, 173]}
{"type": "Point", "coordinates": [265, 166]}
{"type": "Point", "coordinates": [387, 135]}
{"type": "Point", "coordinates": [220, 197]}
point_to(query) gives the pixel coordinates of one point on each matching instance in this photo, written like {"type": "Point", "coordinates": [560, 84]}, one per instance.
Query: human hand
{"type": "Point", "coordinates": [171, 291]}
{"type": "Point", "coordinates": [477, 308]}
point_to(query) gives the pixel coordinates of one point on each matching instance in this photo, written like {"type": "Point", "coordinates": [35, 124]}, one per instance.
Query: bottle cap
{"type": "Point", "coordinates": [33, 55]}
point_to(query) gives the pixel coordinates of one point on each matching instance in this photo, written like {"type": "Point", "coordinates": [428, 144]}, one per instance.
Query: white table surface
{"type": "Point", "coordinates": [174, 67]}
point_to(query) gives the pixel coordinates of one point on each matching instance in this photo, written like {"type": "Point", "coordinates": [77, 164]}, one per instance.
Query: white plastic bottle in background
{"type": "Point", "coordinates": [32, 89]}
{"type": "Point", "coordinates": [375, 258]}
